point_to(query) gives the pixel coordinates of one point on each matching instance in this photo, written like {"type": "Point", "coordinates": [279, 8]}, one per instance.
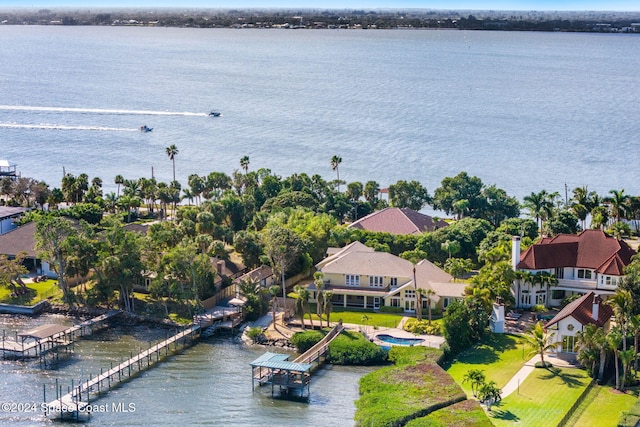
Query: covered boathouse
{"type": "Point", "coordinates": [275, 369]}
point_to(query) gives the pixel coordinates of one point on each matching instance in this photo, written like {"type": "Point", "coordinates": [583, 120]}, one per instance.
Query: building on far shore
{"type": "Point", "coordinates": [398, 221]}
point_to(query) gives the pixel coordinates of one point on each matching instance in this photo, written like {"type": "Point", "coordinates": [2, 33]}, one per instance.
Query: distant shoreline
{"type": "Point", "coordinates": [369, 19]}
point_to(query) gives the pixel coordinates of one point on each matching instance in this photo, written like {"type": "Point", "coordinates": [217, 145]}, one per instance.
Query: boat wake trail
{"type": "Point", "coordinates": [63, 127]}
{"type": "Point", "coordinates": [99, 111]}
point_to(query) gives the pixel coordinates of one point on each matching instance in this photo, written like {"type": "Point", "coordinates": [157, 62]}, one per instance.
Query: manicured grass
{"type": "Point", "coordinates": [467, 413]}
{"type": "Point", "coordinates": [39, 291]}
{"type": "Point", "coordinates": [543, 398]}
{"type": "Point", "coordinates": [603, 407]}
{"type": "Point", "coordinates": [500, 356]}
{"type": "Point", "coordinates": [355, 316]}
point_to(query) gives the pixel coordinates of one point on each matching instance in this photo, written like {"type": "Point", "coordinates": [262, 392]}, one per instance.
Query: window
{"type": "Point", "coordinates": [393, 281]}
{"type": "Point", "coordinates": [610, 281]}
{"type": "Point", "coordinates": [410, 293]}
{"type": "Point", "coordinates": [584, 273]}
{"type": "Point", "coordinates": [376, 281]}
{"type": "Point", "coordinates": [568, 343]}
{"type": "Point", "coordinates": [445, 303]}
{"type": "Point", "coordinates": [560, 273]}
{"type": "Point", "coordinates": [557, 294]}
{"type": "Point", "coordinates": [525, 298]}
{"type": "Point", "coordinates": [352, 280]}
{"type": "Point", "coordinates": [541, 297]}
{"type": "Point", "coordinates": [395, 302]}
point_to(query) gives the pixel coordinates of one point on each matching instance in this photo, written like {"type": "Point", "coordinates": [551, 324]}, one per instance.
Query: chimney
{"type": "Point", "coordinates": [595, 308]}
{"type": "Point", "coordinates": [219, 266]}
{"type": "Point", "coordinates": [515, 252]}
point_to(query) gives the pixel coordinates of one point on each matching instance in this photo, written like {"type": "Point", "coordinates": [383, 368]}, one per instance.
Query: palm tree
{"type": "Point", "coordinates": [539, 341]}
{"type": "Point", "coordinates": [545, 279]}
{"type": "Point", "coordinates": [328, 305]}
{"type": "Point", "coordinates": [274, 291]}
{"type": "Point", "coordinates": [476, 378]}
{"type": "Point", "coordinates": [614, 337]}
{"type": "Point", "coordinates": [634, 326]}
{"type": "Point", "coordinates": [319, 282]}
{"type": "Point", "coordinates": [626, 357]}
{"type": "Point", "coordinates": [618, 202]}
{"type": "Point", "coordinates": [539, 206]}
{"type": "Point", "coordinates": [588, 347]}
{"type": "Point", "coordinates": [119, 180]}
{"type": "Point", "coordinates": [427, 293]}
{"type": "Point", "coordinates": [335, 163]}
{"type": "Point", "coordinates": [244, 164]}
{"type": "Point", "coordinates": [172, 151]}
{"type": "Point", "coordinates": [301, 295]}
{"type": "Point", "coordinates": [622, 305]}
{"type": "Point", "coordinates": [489, 393]}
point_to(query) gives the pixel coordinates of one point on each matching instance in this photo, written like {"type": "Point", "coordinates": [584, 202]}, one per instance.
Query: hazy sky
{"type": "Point", "coordinates": [613, 5]}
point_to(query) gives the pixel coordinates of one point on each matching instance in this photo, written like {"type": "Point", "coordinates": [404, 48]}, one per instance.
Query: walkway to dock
{"type": "Point", "coordinates": [44, 338]}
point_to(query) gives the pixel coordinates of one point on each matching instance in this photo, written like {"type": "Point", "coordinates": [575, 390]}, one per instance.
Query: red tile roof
{"type": "Point", "coordinates": [398, 221]}
{"type": "Point", "coordinates": [581, 310]}
{"type": "Point", "coordinates": [592, 249]}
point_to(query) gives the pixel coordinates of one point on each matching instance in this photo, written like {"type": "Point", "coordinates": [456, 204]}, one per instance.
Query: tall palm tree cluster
{"type": "Point", "coordinates": [550, 211]}
{"type": "Point", "coordinates": [618, 347]}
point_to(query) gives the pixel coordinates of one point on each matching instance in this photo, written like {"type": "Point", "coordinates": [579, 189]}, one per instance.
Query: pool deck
{"type": "Point", "coordinates": [371, 333]}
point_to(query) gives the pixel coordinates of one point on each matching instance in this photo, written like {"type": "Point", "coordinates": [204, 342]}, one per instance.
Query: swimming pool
{"type": "Point", "coordinates": [399, 341]}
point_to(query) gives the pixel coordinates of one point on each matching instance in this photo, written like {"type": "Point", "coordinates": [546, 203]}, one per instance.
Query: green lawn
{"type": "Point", "coordinates": [38, 292]}
{"type": "Point", "coordinates": [543, 399]}
{"type": "Point", "coordinates": [355, 316]}
{"type": "Point", "coordinates": [500, 356]}
{"type": "Point", "coordinates": [603, 406]}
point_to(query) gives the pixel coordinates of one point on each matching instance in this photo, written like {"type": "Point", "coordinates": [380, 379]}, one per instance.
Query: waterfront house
{"type": "Point", "coordinates": [360, 277]}
{"type": "Point", "coordinates": [398, 221]}
{"type": "Point", "coordinates": [9, 217]}
{"type": "Point", "coordinates": [22, 239]}
{"type": "Point", "coordinates": [589, 261]}
{"type": "Point", "coordinates": [588, 309]}
{"type": "Point", "coordinates": [262, 275]}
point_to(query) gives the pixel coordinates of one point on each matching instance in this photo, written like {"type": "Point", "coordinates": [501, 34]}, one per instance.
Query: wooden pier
{"type": "Point", "coordinates": [45, 338]}
{"type": "Point", "coordinates": [291, 377]}
{"type": "Point", "coordinates": [73, 404]}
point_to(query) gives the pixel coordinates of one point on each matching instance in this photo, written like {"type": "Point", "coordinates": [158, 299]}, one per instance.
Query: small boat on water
{"type": "Point", "coordinates": [145, 128]}
{"type": "Point", "coordinates": [215, 114]}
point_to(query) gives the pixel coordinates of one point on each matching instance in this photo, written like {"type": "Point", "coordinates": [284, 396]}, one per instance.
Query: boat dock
{"type": "Point", "coordinates": [291, 376]}
{"type": "Point", "coordinates": [44, 338]}
{"type": "Point", "coordinates": [73, 405]}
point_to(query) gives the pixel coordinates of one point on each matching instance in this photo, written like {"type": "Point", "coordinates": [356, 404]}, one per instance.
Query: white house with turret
{"type": "Point", "coordinates": [591, 261]}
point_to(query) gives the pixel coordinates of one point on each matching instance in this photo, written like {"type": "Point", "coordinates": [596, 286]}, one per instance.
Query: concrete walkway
{"type": "Point", "coordinates": [519, 377]}
{"type": "Point", "coordinates": [529, 367]}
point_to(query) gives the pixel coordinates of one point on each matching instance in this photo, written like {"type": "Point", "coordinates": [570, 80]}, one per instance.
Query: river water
{"type": "Point", "coordinates": [207, 384]}
{"type": "Point", "coordinates": [525, 111]}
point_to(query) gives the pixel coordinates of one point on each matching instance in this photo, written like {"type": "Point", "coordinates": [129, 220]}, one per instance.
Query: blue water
{"type": "Point", "coordinates": [399, 341]}
{"type": "Point", "coordinates": [524, 111]}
